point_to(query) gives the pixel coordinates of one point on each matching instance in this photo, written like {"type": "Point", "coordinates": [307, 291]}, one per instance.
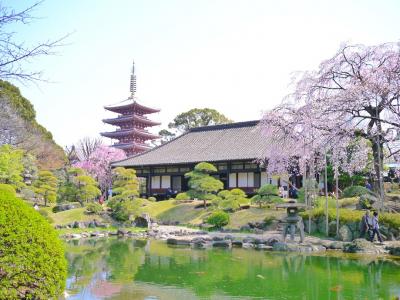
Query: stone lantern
{"type": "Point", "coordinates": [293, 221]}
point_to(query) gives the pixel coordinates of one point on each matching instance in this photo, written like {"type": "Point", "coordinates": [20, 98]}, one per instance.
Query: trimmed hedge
{"type": "Point", "coordinates": [32, 263]}
{"type": "Point", "coordinates": [347, 216]}
{"type": "Point", "coordinates": [182, 196]}
{"type": "Point", "coordinates": [355, 190]}
{"type": "Point", "coordinates": [218, 219]}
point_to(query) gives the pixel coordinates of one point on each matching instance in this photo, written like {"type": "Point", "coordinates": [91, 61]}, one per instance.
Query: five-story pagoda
{"type": "Point", "coordinates": [132, 123]}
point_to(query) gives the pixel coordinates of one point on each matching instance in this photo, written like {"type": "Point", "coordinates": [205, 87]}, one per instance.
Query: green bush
{"type": "Point", "coordinates": [269, 219]}
{"type": "Point", "coordinates": [127, 209]}
{"type": "Point", "coordinates": [355, 190]}
{"type": "Point", "coordinates": [218, 219]}
{"type": "Point", "coordinates": [152, 199]}
{"type": "Point", "coordinates": [345, 215]}
{"type": "Point", "coordinates": [182, 196]}
{"type": "Point", "coordinates": [94, 208]}
{"type": "Point", "coordinates": [32, 259]}
{"type": "Point", "coordinates": [267, 194]}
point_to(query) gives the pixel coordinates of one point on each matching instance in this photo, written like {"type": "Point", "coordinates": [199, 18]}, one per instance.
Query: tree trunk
{"type": "Point", "coordinates": [377, 153]}
{"type": "Point", "coordinates": [326, 197]}
{"type": "Point", "coordinates": [205, 204]}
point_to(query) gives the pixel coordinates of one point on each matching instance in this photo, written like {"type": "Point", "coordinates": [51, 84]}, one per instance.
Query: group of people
{"type": "Point", "coordinates": [370, 226]}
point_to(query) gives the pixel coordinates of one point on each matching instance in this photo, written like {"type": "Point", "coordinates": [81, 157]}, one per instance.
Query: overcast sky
{"type": "Point", "coordinates": [234, 56]}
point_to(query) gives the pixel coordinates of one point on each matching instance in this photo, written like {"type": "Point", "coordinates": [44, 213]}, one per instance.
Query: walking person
{"type": "Point", "coordinates": [375, 228]}
{"type": "Point", "coordinates": [365, 225]}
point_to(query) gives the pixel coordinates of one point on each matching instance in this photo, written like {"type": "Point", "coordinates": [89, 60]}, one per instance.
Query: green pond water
{"type": "Point", "coordinates": [136, 269]}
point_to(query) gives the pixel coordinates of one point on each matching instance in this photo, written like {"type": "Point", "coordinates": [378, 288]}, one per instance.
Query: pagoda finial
{"type": "Point", "coordinates": [133, 81]}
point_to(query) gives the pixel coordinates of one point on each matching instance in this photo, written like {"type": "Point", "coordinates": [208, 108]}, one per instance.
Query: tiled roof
{"type": "Point", "coordinates": [235, 141]}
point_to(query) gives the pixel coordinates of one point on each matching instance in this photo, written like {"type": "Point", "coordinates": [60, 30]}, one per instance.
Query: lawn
{"type": "Point", "coordinates": [253, 214]}
{"type": "Point", "coordinates": [72, 215]}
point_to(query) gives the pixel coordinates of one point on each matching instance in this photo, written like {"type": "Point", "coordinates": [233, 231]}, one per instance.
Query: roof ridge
{"type": "Point", "coordinates": [225, 126]}
{"type": "Point", "coordinates": [150, 150]}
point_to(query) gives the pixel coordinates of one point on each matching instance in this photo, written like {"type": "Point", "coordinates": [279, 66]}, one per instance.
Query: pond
{"type": "Point", "coordinates": [148, 269]}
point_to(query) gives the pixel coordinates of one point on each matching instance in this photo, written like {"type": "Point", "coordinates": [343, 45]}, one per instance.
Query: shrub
{"type": "Point", "coordinates": [218, 219]}
{"type": "Point", "coordinates": [127, 210]}
{"type": "Point", "coordinates": [269, 219]}
{"type": "Point", "coordinates": [94, 208]}
{"type": "Point", "coordinates": [182, 196]}
{"type": "Point", "coordinates": [152, 199]}
{"type": "Point", "coordinates": [231, 200]}
{"type": "Point", "coordinates": [355, 190]}
{"type": "Point", "coordinates": [32, 256]}
{"type": "Point", "coordinates": [267, 194]}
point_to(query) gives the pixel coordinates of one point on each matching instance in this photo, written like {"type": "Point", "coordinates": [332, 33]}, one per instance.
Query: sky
{"type": "Point", "coordinates": [237, 57]}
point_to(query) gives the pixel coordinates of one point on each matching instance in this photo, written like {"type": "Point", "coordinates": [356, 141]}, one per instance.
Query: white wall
{"type": "Point", "coordinates": [165, 182]}
{"type": "Point", "coordinates": [155, 182]}
{"type": "Point", "coordinates": [232, 180]}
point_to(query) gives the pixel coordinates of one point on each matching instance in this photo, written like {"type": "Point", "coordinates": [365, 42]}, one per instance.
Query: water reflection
{"type": "Point", "coordinates": [137, 269]}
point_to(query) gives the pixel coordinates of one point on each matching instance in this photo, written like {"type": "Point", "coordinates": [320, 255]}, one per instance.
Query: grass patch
{"type": "Point", "coordinates": [156, 208]}
{"type": "Point", "coordinates": [69, 216]}
{"type": "Point", "coordinates": [253, 214]}
{"type": "Point", "coordinates": [182, 213]}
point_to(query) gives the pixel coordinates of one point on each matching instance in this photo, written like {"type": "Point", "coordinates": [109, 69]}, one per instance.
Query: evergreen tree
{"type": "Point", "coordinates": [201, 183]}
{"type": "Point", "coordinates": [46, 187]}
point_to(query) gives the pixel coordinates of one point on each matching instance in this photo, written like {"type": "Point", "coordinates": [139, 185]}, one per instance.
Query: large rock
{"type": "Point", "coordinates": [345, 234]}
{"type": "Point", "coordinates": [394, 248]}
{"type": "Point", "coordinates": [362, 246]}
{"type": "Point", "coordinates": [303, 248]}
{"type": "Point", "coordinates": [79, 225]}
{"type": "Point", "coordinates": [280, 246]}
{"type": "Point", "coordinates": [313, 226]}
{"type": "Point", "coordinates": [122, 232]}
{"type": "Point", "coordinates": [222, 244]}
{"type": "Point", "coordinates": [183, 242]}
{"type": "Point", "coordinates": [141, 222]}
{"type": "Point", "coordinates": [237, 243]}
{"type": "Point", "coordinates": [272, 240]}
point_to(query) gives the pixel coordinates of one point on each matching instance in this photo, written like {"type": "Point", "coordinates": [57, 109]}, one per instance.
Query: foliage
{"type": "Point", "coordinates": [11, 166]}
{"type": "Point", "coordinates": [355, 190]}
{"type": "Point", "coordinates": [46, 187]}
{"type": "Point", "coordinates": [231, 200]}
{"type": "Point", "coordinates": [94, 208]}
{"type": "Point", "coordinates": [182, 196]}
{"type": "Point", "coordinates": [125, 210]}
{"type": "Point", "coordinates": [97, 162]}
{"type": "Point", "coordinates": [125, 184]}
{"type": "Point", "coordinates": [32, 259]}
{"type": "Point", "coordinates": [347, 216]}
{"type": "Point", "coordinates": [21, 128]}
{"type": "Point", "coordinates": [76, 185]}
{"type": "Point", "coordinates": [152, 199]}
{"type": "Point", "coordinates": [86, 188]}
{"type": "Point", "coordinates": [267, 194]}
{"type": "Point", "coordinates": [268, 220]}
{"type": "Point", "coordinates": [197, 117]}
{"type": "Point", "coordinates": [201, 183]}
{"type": "Point", "coordinates": [218, 219]}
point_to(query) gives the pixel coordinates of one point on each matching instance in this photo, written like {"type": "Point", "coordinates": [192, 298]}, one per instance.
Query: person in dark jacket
{"type": "Point", "coordinates": [365, 224]}
{"type": "Point", "coordinates": [375, 228]}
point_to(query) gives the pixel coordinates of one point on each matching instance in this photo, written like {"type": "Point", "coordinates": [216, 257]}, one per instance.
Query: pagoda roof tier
{"type": "Point", "coordinates": [130, 132]}
{"type": "Point", "coordinates": [131, 107]}
{"type": "Point", "coordinates": [127, 146]}
{"type": "Point", "coordinates": [128, 118]}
